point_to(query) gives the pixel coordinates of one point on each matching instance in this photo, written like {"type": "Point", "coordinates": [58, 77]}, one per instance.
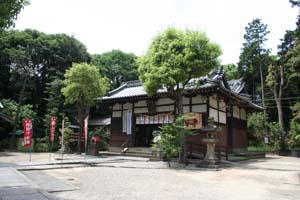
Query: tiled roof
{"type": "Point", "coordinates": [135, 88]}
{"type": "Point", "coordinates": [216, 78]}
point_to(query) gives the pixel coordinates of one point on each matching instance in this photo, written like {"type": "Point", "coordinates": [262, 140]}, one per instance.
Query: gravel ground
{"type": "Point", "coordinates": [271, 178]}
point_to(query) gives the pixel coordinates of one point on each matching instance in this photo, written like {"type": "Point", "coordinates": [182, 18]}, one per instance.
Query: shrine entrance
{"type": "Point", "coordinates": [144, 134]}
{"type": "Point", "coordinates": [145, 126]}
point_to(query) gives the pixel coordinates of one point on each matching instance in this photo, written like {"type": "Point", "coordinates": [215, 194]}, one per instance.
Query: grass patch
{"type": "Point", "coordinates": [261, 148]}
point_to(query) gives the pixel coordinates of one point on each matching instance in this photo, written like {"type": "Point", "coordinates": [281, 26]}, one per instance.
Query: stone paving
{"type": "Point", "coordinates": [15, 186]}
{"type": "Point", "coordinates": [118, 177]}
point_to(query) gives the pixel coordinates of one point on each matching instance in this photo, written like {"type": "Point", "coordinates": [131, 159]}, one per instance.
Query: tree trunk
{"type": "Point", "coordinates": [279, 107]}
{"type": "Point", "coordinates": [183, 153]}
{"type": "Point", "coordinates": [278, 96]}
{"type": "Point", "coordinates": [262, 88]}
{"type": "Point", "coordinates": [80, 120]}
{"type": "Point", "coordinates": [13, 139]}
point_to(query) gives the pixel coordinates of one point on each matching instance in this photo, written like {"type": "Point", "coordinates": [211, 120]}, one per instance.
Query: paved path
{"type": "Point", "coordinates": [15, 186]}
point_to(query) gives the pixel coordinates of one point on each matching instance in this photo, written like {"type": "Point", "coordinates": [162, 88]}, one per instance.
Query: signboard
{"type": "Point", "coordinates": [52, 128]}
{"type": "Point", "coordinates": [193, 120]}
{"type": "Point", "coordinates": [27, 125]}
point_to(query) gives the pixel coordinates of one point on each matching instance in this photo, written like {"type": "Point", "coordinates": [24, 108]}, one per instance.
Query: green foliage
{"type": "Point", "coordinates": [54, 107]}
{"type": "Point", "coordinates": [40, 58]}
{"type": "Point", "coordinates": [257, 131]}
{"type": "Point", "coordinates": [275, 135]}
{"type": "Point", "coordinates": [10, 109]}
{"type": "Point", "coordinates": [255, 126]}
{"type": "Point", "coordinates": [176, 56]}
{"type": "Point", "coordinates": [9, 11]}
{"type": "Point", "coordinates": [231, 71]}
{"type": "Point", "coordinates": [170, 138]}
{"type": "Point", "coordinates": [104, 137]}
{"type": "Point", "coordinates": [116, 66]}
{"type": "Point", "coordinates": [294, 133]}
{"type": "Point", "coordinates": [254, 55]}
{"type": "Point", "coordinates": [83, 84]}
{"type": "Point", "coordinates": [41, 145]}
{"type": "Point", "coordinates": [264, 148]}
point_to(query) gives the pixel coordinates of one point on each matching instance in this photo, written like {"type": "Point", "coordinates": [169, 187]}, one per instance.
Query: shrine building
{"type": "Point", "coordinates": [135, 115]}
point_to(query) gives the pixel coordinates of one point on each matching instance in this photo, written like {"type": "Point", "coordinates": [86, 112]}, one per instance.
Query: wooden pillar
{"type": "Point", "coordinates": [133, 126]}
{"type": "Point", "coordinates": [191, 103]}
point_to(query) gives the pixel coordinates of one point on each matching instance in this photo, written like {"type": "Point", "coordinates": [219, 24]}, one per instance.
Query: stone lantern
{"type": "Point", "coordinates": [211, 139]}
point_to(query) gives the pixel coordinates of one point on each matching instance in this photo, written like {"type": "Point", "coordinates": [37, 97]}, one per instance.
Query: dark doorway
{"type": "Point", "coordinates": [143, 134]}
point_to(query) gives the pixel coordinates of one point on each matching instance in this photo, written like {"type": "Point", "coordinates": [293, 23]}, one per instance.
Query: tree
{"type": "Point", "coordinates": [173, 59]}
{"type": "Point", "coordinates": [9, 11]}
{"type": "Point", "coordinates": [38, 58]}
{"type": "Point", "coordinates": [276, 82]}
{"type": "Point", "coordinates": [231, 71]}
{"type": "Point", "coordinates": [294, 133]}
{"type": "Point", "coordinates": [83, 84]}
{"type": "Point", "coordinates": [254, 57]}
{"type": "Point", "coordinates": [10, 109]}
{"type": "Point", "coordinates": [116, 66]}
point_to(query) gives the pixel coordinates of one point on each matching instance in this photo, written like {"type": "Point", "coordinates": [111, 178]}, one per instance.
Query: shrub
{"type": "Point", "coordinates": [294, 133]}
{"type": "Point", "coordinates": [104, 137]}
{"type": "Point", "coordinates": [275, 135]}
{"type": "Point", "coordinates": [170, 138]}
{"type": "Point", "coordinates": [41, 147]}
{"type": "Point", "coordinates": [255, 126]}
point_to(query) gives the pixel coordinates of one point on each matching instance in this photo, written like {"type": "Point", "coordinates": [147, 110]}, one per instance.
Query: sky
{"type": "Point", "coordinates": [130, 25]}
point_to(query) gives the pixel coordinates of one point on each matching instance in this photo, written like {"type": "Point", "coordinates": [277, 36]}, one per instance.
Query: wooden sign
{"type": "Point", "coordinates": [193, 120]}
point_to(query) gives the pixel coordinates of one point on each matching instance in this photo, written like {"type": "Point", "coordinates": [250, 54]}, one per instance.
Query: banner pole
{"type": "Point", "coordinates": [30, 149]}
{"type": "Point", "coordinates": [86, 134]}
{"type": "Point", "coordinates": [51, 145]}
{"type": "Point", "coordinates": [62, 139]}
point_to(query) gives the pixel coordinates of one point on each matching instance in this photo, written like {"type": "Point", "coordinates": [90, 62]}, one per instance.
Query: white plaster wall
{"type": "Point", "coordinates": [140, 103]}
{"type": "Point", "coordinates": [213, 101]}
{"type": "Point", "coordinates": [199, 108]}
{"type": "Point", "coordinates": [213, 113]}
{"type": "Point", "coordinates": [199, 99]}
{"type": "Point", "coordinates": [222, 117]}
{"type": "Point", "coordinates": [236, 112]}
{"type": "Point", "coordinates": [222, 106]}
{"type": "Point", "coordinates": [117, 107]}
{"type": "Point", "coordinates": [116, 114]}
{"type": "Point", "coordinates": [165, 108]}
{"type": "Point", "coordinates": [164, 101]}
{"type": "Point", "coordinates": [140, 110]}
{"type": "Point", "coordinates": [127, 106]}
{"type": "Point", "coordinates": [186, 100]}
{"type": "Point", "coordinates": [186, 109]}
{"type": "Point", "coordinates": [243, 114]}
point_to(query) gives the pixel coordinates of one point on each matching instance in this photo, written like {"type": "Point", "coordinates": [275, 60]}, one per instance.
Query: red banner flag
{"type": "Point", "coordinates": [52, 128]}
{"type": "Point", "coordinates": [27, 125]}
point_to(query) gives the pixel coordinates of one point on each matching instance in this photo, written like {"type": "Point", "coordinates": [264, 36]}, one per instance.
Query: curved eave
{"type": "Point", "coordinates": [240, 99]}
{"type": "Point", "coordinates": [156, 96]}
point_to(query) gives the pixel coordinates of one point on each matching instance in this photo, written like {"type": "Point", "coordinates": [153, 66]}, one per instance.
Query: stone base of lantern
{"type": "Point", "coordinates": [210, 164]}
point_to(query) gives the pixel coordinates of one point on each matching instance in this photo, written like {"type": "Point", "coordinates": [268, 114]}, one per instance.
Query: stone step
{"type": "Point", "coordinates": [133, 154]}
{"type": "Point", "coordinates": [139, 150]}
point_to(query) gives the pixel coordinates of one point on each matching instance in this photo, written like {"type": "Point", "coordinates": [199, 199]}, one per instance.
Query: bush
{"type": "Point", "coordinates": [294, 133]}
{"type": "Point", "coordinates": [41, 147]}
{"type": "Point", "coordinates": [104, 137]}
{"type": "Point", "coordinates": [256, 129]}
{"type": "Point", "coordinates": [275, 134]}
{"type": "Point", "coordinates": [170, 138]}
